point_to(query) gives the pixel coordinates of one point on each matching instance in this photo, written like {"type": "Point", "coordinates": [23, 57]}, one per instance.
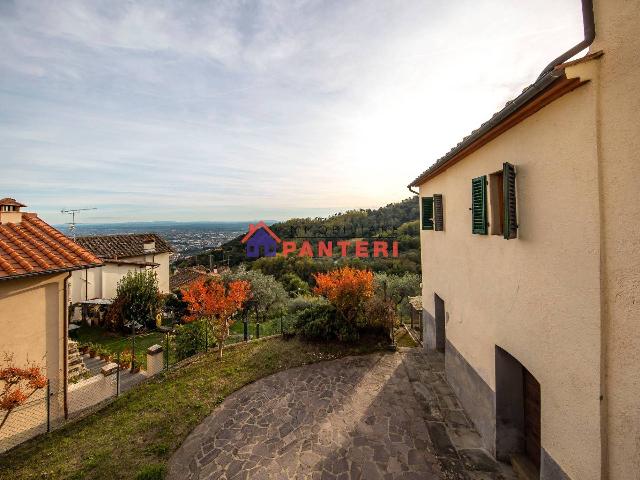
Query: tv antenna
{"type": "Point", "coordinates": [72, 212]}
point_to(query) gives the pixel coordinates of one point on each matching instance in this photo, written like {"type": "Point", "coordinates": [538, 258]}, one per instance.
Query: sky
{"type": "Point", "coordinates": [238, 110]}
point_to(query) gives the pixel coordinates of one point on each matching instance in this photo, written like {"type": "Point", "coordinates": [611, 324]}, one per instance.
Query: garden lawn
{"type": "Point", "coordinates": [270, 327]}
{"type": "Point", "coordinates": [115, 342]}
{"type": "Point", "coordinates": [135, 436]}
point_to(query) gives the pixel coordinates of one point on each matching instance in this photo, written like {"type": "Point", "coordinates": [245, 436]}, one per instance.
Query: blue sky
{"type": "Point", "coordinates": [234, 110]}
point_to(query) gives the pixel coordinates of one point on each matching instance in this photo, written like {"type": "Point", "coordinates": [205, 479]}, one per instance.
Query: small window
{"type": "Point", "coordinates": [496, 204]}
{"type": "Point", "coordinates": [502, 202]}
{"type": "Point", "coordinates": [427, 213]}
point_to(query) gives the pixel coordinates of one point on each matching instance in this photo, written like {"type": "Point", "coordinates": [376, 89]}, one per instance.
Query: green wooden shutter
{"type": "Point", "coordinates": [509, 200]}
{"type": "Point", "coordinates": [479, 205]}
{"type": "Point", "coordinates": [427, 213]}
{"type": "Point", "coordinates": [438, 214]}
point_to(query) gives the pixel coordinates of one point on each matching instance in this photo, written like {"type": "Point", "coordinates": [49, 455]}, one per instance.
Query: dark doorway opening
{"type": "Point", "coordinates": [517, 411]}
{"type": "Point", "coordinates": [440, 323]}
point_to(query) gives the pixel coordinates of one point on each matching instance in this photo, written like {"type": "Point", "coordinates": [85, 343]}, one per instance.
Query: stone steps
{"type": "Point", "coordinates": [75, 364]}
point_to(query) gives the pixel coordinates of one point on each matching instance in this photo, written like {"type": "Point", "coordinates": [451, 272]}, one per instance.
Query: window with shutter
{"type": "Point", "coordinates": [479, 205]}
{"type": "Point", "coordinates": [438, 214]}
{"type": "Point", "coordinates": [509, 200]}
{"type": "Point", "coordinates": [427, 213]}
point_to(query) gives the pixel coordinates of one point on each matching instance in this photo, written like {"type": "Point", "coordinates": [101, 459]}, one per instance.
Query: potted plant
{"type": "Point", "coordinates": [125, 360]}
{"type": "Point", "coordinates": [109, 356]}
{"type": "Point", "coordinates": [83, 347]}
{"type": "Point", "coordinates": [93, 349]}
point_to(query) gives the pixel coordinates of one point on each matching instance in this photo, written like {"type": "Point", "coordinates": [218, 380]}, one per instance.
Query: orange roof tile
{"type": "Point", "coordinates": [33, 247]}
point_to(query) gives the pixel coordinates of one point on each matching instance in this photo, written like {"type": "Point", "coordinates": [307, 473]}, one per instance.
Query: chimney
{"type": "Point", "coordinates": [10, 211]}
{"type": "Point", "coordinates": [149, 245]}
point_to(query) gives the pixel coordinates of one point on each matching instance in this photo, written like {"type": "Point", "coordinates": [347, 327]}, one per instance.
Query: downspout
{"type": "Point", "coordinates": [65, 375]}
{"type": "Point", "coordinates": [589, 27]}
{"type": "Point", "coordinates": [412, 190]}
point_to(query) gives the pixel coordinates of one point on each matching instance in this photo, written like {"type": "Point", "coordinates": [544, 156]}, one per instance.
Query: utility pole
{"type": "Point", "coordinates": [72, 224]}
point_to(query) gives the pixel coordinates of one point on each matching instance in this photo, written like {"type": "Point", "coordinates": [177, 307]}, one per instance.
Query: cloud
{"type": "Point", "coordinates": [173, 109]}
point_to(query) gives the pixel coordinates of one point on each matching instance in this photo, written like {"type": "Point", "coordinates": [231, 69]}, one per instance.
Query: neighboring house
{"type": "Point", "coordinates": [261, 241]}
{"type": "Point", "coordinates": [531, 263]}
{"type": "Point", "coordinates": [121, 254]}
{"type": "Point", "coordinates": [36, 261]}
{"type": "Point", "coordinates": [186, 276]}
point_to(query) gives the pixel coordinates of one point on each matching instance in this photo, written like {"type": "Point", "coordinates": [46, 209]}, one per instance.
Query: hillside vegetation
{"type": "Point", "coordinates": [394, 222]}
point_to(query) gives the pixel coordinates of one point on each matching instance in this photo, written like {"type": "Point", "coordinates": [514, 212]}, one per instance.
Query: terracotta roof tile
{"type": "Point", "coordinates": [33, 247]}
{"type": "Point", "coordinates": [11, 202]}
{"type": "Point", "coordinates": [185, 277]}
{"type": "Point", "coordinates": [123, 246]}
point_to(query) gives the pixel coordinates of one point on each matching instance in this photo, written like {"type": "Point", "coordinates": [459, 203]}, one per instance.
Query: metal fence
{"type": "Point", "coordinates": [98, 381]}
{"type": "Point", "coordinates": [51, 407]}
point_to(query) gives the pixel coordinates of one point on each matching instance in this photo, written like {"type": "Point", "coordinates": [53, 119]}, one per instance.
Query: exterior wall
{"type": "Point", "coordinates": [91, 278]}
{"type": "Point", "coordinates": [163, 271]}
{"type": "Point", "coordinates": [103, 281]}
{"type": "Point", "coordinates": [617, 34]}
{"type": "Point", "coordinates": [32, 322]}
{"type": "Point", "coordinates": [526, 295]}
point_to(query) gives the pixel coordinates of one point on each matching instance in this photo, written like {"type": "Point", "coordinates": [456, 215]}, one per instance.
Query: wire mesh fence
{"type": "Point", "coordinates": [98, 376]}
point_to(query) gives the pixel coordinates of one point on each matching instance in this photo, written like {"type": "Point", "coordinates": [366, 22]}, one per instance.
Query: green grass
{"type": "Point", "coordinates": [115, 342]}
{"type": "Point", "coordinates": [135, 436]}
{"type": "Point", "coordinates": [270, 327]}
{"type": "Point", "coordinates": [403, 339]}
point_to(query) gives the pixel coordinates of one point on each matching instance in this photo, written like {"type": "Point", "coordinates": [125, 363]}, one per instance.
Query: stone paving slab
{"type": "Point", "coordinates": [382, 416]}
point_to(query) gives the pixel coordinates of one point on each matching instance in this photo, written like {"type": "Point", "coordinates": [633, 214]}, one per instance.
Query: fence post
{"type": "Point", "coordinates": [48, 406]}
{"type": "Point", "coordinates": [258, 330]}
{"type": "Point", "coordinates": [118, 375]}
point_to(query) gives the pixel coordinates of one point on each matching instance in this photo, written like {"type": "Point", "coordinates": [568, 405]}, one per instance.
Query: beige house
{"type": "Point", "coordinates": [36, 261]}
{"type": "Point", "coordinates": [531, 262]}
{"type": "Point", "coordinates": [121, 254]}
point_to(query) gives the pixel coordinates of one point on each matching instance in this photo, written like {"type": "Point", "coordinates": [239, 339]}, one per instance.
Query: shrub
{"type": "Point", "coordinates": [321, 322]}
{"type": "Point", "coordinates": [137, 299]}
{"type": "Point", "coordinates": [191, 337]}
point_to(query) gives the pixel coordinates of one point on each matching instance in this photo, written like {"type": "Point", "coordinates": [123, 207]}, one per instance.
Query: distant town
{"type": "Point", "coordinates": [186, 238]}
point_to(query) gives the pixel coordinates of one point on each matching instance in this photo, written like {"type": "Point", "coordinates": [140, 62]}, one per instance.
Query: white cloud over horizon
{"type": "Point", "coordinates": [234, 110]}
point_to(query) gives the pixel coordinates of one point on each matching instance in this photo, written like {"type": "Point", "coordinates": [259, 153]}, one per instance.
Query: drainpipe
{"type": "Point", "coordinates": [412, 190]}
{"type": "Point", "coordinates": [589, 27]}
{"type": "Point", "coordinates": [65, 342]}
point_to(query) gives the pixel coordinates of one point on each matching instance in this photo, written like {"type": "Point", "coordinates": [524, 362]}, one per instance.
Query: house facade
{"type": "Point", "coordinates": [120, 254]}
{"type": "Point", "coordinates": [531, 264]}
{"type": "Point", "coordinates": [36, 262]}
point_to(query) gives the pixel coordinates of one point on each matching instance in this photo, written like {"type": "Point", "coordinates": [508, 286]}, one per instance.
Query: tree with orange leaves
{"type": "Point", "coordinates": [17, 385]}
{"type": "Point", "coordinates": [217, 303]}
{"type": "Point", "coordinates": [347, 289]}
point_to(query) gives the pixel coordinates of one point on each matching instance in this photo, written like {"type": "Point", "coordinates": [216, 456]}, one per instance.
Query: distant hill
{"type": "Point", "coordinates": [395, 221]}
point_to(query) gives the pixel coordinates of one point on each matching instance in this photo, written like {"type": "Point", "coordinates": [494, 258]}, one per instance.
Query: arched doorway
{"type": "Point", "coordinates": [518, 403]}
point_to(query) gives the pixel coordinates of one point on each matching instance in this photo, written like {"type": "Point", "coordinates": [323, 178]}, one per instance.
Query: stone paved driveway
{"type": "Point", "coordinates": [381, 416]}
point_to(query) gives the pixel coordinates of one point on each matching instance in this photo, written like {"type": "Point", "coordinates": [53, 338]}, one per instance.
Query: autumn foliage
{"type": "Point", "coordinates": [347, 289]}
{"type": "Point", "coordinates": [17, 384]}
{"type": "Point", "coordinates": [217, 303]}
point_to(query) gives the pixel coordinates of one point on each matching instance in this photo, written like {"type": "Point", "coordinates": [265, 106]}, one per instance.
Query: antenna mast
{"type": "Point", "coordinates": [72, 224]}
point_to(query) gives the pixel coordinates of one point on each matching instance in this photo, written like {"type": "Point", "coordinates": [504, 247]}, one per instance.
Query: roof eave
{"type": "Point", "coordinates": [50, 271]}
{"type": "Point", "coordinates": [555, 81]}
